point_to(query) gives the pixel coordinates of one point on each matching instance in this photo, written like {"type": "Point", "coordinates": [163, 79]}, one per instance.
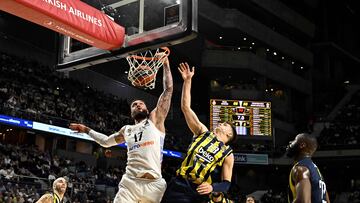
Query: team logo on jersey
{"type": "Point", "coordinates": [213, 148]}
{"type": "Point", "coordinates": [145, 144]}
{"type": "Point", "coordinates": [205, 155]}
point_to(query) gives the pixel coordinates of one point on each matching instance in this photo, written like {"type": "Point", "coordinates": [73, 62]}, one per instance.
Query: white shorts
{"type": "Point", "coordinates": [140, 190]}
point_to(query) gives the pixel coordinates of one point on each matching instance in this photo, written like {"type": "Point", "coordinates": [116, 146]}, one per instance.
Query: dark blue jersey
{"type": "Point", "coordinates": [318, 186]}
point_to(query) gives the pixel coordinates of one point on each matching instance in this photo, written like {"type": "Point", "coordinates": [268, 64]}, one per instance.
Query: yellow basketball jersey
{"type": "Point", "coordinates": [56, 199]}
{"type": "Point", "coordinates": [205, 153]}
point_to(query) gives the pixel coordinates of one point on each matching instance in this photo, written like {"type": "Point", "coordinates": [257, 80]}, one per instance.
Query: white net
{"type": "Point", "coordinates": [144, 67]}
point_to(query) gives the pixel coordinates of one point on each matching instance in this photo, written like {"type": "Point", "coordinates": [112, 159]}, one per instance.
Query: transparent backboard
{"type": "Point", "coordinates": [148, 24]}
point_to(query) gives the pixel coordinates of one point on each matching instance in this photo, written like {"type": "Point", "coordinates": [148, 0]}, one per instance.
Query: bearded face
{"type": "Point", "coordinates": [293, 149]}
{"type": "Point", "coordinates": [60, 185]}
{"type": "Point", "coordinates": [140, 115]}
{"type": "Point", "coordinates": [139, 110]}
{"type": "Point", "coordinates": [60, 188]}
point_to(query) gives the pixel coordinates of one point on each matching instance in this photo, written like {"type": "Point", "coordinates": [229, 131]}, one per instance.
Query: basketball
{"type": "Point", "coordinates": [143, 76]}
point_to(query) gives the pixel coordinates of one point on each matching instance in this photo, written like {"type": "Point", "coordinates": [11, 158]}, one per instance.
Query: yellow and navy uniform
{"type": "Point", "coordinates": [318, 186]}
{"type": "Point", "coordinates": [204, 154]}
{"type": "Point", "coordinates": [222, 199]}
{"type": "Point", "coordinates": [56, 199]}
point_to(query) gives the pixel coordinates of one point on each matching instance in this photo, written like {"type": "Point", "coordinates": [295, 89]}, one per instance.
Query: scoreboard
{"type": "Point", "coordinates": [250, 118]}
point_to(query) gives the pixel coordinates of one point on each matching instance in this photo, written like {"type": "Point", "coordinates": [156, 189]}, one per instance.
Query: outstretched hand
{"type": "Point", "coordinates": [204, 188]}
{"type": "Point", "coordinates": [185, 71]}
{"type": "Point", "coordinates": [80, 128]}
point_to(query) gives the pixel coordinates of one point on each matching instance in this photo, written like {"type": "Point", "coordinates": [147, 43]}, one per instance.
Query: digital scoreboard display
{"type": "Point", "coordinates": [251, 118]}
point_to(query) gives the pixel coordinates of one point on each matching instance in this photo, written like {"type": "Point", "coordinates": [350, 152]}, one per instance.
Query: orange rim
{"type": "Point", "coordinates": [166, 51]}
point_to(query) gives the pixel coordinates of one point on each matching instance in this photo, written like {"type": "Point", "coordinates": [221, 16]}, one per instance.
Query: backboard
{"type": "Point", "coordinates": [148, 24]}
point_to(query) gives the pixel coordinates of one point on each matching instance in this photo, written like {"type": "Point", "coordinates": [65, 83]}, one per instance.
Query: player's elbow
{"type": "Point", "coordinates": [169, 88]}
{"type": "Point", "coordinates": [171, 85]}
{"type": "Point", "coordinates": [105, 144]}
{"type": "Point", "coordinates": [185, 108]}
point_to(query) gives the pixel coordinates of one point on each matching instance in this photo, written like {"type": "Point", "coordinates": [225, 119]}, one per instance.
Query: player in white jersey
{"type": "Point", "coordinates": [142, 181]}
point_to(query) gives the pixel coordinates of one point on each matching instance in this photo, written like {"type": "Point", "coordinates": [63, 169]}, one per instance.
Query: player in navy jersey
{"type": "Point", "coordinates": [306, 184]}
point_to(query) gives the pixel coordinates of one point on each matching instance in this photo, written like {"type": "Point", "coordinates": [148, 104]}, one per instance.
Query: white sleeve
{"type": "Point", "coordinates": [103, 140]}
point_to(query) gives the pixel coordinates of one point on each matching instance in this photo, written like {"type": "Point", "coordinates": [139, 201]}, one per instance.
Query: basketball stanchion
{"type": "Point", "coordinates": [144, 67]}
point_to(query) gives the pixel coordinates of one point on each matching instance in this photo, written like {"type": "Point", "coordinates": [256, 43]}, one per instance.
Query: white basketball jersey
{"type": "Point", "coordinates": [145, 146]}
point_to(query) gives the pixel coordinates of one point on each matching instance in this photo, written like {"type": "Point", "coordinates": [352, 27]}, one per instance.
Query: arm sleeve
{"type": "Point", "coordinates": [221, 186]}
{"type": "Point", "coordinates": [103, 140]}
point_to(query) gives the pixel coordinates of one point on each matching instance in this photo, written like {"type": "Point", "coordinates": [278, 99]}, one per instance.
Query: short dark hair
{"type": "Point", "coordinates": [311, 141]}
{"type": "Point", "coordinates": [232, 140]}
{"type": "Point", "coordinates": [137, 100]}
{"type": "Point", "coordinates": [251, 197]}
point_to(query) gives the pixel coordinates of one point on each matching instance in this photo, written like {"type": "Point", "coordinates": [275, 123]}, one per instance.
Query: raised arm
{"type": "Point", "coordinates": [302, 184]}
{"type": "Point", "coordinates": [158, 115]}
{"type": "Point", "coordinates": [101, 139]}
{"type": "Point", "coordinates": [191, 118]}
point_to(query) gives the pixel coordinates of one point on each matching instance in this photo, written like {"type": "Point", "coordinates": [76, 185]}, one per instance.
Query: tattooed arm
{"type": "Point", "coordinates": [158, 115]}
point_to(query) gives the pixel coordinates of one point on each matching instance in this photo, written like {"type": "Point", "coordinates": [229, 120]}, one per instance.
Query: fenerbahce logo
{"type": "Point", "coordinates": [205, 155]}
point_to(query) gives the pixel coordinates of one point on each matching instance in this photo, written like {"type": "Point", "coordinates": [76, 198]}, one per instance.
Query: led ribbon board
{"type": "Point", "coordinates": [63, 131]}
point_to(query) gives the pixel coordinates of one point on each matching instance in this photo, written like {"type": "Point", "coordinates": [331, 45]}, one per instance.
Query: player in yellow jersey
{"type": "Point", "coordinates": [208, 150]}
{"type": "Point", "coordinates": [57, 195]}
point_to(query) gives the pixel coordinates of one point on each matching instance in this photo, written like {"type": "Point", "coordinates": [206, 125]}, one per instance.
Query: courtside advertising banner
{"type": "Point", "coordinates": [27, 124]}
{"type": "Point", "coordinates": [72, 18]}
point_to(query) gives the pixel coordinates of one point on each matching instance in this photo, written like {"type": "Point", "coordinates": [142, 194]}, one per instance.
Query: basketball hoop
{"type": "Point", "coordinates": [144, 67]}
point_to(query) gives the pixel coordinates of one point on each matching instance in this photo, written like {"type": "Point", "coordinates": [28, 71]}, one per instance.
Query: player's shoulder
{"type": "Point", "coordinates": [123, 128]}
{"type": "Point", "coordinates": [45, 198]}
{"type": "Point", "coordinates": [230, 158]}
{"type": "Point", "coordinates": [48, 195]}
{"type": "Point", "coordinates": [300, 172]}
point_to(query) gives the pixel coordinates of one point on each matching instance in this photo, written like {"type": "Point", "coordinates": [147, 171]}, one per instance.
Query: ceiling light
{"type": "Point", "coordinates": [346, 82]}
{"type": "Point", "coordinates": [267, 49]}
{"type": "Point", "coordinates": [239, 48]}
{"type": "Point", "coordinates": [275, 53]}
{"type": "Point", "coordinates": [244, 38]}
{"type": "Point", "coordinates": [253, 43]}
{"type": "Point", "coordinates": [292, 62]}
{"type": "Point", "coordinates": [282, 58]}
{"type": "Point", "coordinates": [220, 37]}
